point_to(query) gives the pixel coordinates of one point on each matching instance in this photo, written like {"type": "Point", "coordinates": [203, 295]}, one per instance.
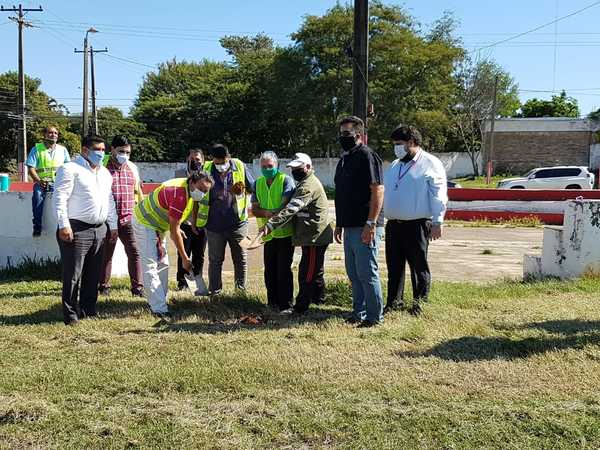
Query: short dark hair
{"type": "Point", "coordinates": [357, 123]}
{"type": "Point", "coordinates": [90, 140]}
{"type": "Point", "coordinates": [407, 133]}
{"type": "Point", "coordinates": [197, 150]}
{"type": "Point", "coordinates": [119, 141]}
{"type": "Point", "coordinates": [219, 151]}
{"type": "Point", "coordinates": [199, 175]}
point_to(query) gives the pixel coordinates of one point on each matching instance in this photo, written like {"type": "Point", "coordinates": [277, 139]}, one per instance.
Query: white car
{"type": "Point", "coordinates": [559, 177]}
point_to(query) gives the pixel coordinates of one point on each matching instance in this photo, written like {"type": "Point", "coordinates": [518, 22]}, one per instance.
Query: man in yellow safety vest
{"type": "Point", "coordinates": [160, 212]}
{"type": "Point", "coordinates": [42, 162]}
{"type": "Point", "coordinates": [224, 215]}
{"type": "Point", "coordinates": [272, 191]}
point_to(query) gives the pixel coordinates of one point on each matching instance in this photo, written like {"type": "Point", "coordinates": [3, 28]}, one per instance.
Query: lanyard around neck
{"type": "Point", "coordinates": [409, 165]}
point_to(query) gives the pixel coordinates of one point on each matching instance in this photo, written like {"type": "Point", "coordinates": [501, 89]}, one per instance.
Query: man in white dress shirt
{"type": "Point", "coordinates": [414, 205]}
{"type": "Point", "coordinates": [84, 204]}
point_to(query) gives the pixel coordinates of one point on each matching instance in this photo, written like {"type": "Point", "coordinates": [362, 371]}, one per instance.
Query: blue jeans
{"type": "Point", "coordinates": [363, 270]}
{"type": "Point", "coordinates": [37, 205]}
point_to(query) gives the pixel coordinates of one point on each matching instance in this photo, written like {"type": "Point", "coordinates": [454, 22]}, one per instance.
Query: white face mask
{"type": "Point", "coordinates": [400, 151]}
{"type": "Point", "coordinates": [222, 167]}
{"type": "Point", "coordinates": [122, 158]}
{"type": "Point", "coordinates": [197, 195]}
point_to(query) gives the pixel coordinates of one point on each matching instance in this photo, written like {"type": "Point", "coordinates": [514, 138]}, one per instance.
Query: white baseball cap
{"type": "Point", "coordinates": [300, 160]}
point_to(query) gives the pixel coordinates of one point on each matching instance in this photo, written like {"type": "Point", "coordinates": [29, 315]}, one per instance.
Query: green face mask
{"type": "Point", "coordinates": [269, 173]}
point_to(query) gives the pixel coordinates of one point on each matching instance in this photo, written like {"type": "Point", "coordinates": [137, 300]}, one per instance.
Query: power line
{"type": "Point", "coordinates": [516, 36]}
{"type": "Point", "coordinates": [129, 61]}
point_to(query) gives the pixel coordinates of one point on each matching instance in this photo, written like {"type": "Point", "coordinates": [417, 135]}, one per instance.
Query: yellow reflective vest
{"type": "Point", "coordinates": [239, 176]}
{"type": "Point", "coordinates": [271, 198]}
{"type": "Point", "coordinates": [46, 165]}
{"type": "Point", "coordinates": [151, 214]}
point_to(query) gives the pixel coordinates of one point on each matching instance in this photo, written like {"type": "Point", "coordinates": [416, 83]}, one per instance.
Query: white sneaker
{"type": "Point", "coordinates": [201, 289]}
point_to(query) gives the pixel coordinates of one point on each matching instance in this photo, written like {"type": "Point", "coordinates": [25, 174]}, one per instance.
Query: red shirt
{"type": "Point", "coordinates": [174, 199]}
{"type": "Point", "coordinates": [123, 189]}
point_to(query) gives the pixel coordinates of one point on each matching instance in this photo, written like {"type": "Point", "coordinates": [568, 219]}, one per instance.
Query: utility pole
{"type": "Point", "coordinates": [22, 135]}
{"type": "Point", "coordinates": [360, 57]}
{"type": "Point", "coordinates": [85, 51]}
{"type": "Point", "coordinates": [492, 124]}
{"type": "Point", "coordinates": [94, 111]}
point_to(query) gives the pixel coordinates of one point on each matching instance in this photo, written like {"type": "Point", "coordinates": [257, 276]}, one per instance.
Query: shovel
{"type": "Point", "coordinates": [252, 244]}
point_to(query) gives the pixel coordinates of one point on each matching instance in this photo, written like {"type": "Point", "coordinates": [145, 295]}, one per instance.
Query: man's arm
{"type": "Point", "coordinates": [297, 203]}
{"type": "Point", "coordinates": [438, 198]}
{"type": "Point", "coordinates": [34, 175]}
{"type": "Point", "coordinates": [63, 188]}
{"type": "Point", "coordinates": [175, 232]}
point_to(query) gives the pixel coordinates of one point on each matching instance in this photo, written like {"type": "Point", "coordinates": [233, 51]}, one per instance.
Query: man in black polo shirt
{"type": "Point", "coordinates": [359, 220]}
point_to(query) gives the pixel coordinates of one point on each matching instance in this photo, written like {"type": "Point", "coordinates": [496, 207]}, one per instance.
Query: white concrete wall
{"type": "Point", "coordinates": [572, 250]}
{"type": "Point", "coordinates": [16, 241]}
{"type": "Point", "coordinates": [457, 165]}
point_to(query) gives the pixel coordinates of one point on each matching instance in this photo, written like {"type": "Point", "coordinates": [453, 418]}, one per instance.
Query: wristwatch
{"type": "Point", "coordinates": [371, 223]}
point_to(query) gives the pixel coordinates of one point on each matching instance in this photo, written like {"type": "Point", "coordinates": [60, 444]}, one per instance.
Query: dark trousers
{"type": "Point", "coordinates": [38, 197]}
{"type": "Point", "coordinates": [310, 277]}
{"type": "Point", "coordinates": [195, 245]}
{"type": "Point", "coordinates": [81, 264]}
{"type": "Point", "coordinates": [407, 241]}
{"type": "Point", "coordinates": [134, 260]}
{"type": "Point", "coordinates": [279, 281]}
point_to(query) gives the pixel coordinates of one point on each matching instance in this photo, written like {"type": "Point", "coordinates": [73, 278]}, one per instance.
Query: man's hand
{"type": "Point", "coordinates": [238, 188]}
{"type": "Point", "coordinates": [368, 235]}
{"type": "Point", "coordinates": [195, 229]}
{"type": "Point", "coordinates": [183, 235]}
{"type": "Point", "coordinates": [112, 238]}
{"type": "Point", "coordinates": [436, 232]}
{"type": "Point", "coordinates": [42, 183]}
{"type": "Point", "coordinates": [264, 230]}
{"type": "Point", "coordinates": [337, 234]}
{"type": "Point", "coordinates": [186, 263]}
{"type": "Point", "coordinates": [160, 249]}
{"type": "Point", "coordinates": [65, 234]}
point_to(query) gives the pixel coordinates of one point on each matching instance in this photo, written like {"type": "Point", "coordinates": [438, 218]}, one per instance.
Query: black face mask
{"type": "Point", "coordinates": [299, 174]}
{"type": "Point", "coordinates": [194, 166]}
{"type": "Point", "coordinates": [347, 142]}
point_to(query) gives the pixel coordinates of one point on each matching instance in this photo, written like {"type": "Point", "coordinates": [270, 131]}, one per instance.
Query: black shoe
{"type": "Point", "coordinates": [352, 320]}
{"type": "Point", "coordinates": [164, 317]}
{"type": "Point", "coordinates": [368, 324]}
{"type": "Point", "coordinates": [416, 310]}
{"type": "Point", "coordinates": [104, 291]}
{"type": "Point", "coordinates": [137, 293]}
{"type": "Point", "coordinates": [36, 233]}
{"type": "Point", "coordinates": [72, 323]}
{"type": "Point", "coordinates": [394, 307]}
{"type": "Point", "coordinates": [182, 287]}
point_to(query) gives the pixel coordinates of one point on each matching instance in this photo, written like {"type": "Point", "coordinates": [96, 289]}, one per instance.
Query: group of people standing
{"type": "Point", "coordinates": [98, 199]}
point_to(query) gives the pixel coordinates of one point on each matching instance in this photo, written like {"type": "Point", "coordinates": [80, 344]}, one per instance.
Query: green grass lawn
{"type": "Point", "coordinates": [480, 182]}
{"type": "Point", "coordinates": [507, 365]}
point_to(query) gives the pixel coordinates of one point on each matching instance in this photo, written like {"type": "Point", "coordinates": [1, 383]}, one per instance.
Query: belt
{"type": "Point", "coordinates": [407, 221]}
{"type": "Point", "coordinates": [85, 225]}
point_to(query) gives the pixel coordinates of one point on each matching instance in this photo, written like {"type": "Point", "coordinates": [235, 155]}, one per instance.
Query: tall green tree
{"type": "Point", "coordinates": [42, 110]}
{"type": "Point", "coordinates": [558, 106]}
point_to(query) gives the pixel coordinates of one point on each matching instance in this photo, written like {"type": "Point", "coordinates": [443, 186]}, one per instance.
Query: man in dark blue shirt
{"type": "Point", "coordinates": [224, 215]}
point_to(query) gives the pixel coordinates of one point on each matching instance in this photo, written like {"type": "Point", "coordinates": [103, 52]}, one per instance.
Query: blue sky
{"type": "Point", "coordinates": [149, 32]}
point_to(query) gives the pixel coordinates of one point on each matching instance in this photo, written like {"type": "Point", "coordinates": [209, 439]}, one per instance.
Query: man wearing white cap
{"type": "Point", "coordinates": [308, 212]}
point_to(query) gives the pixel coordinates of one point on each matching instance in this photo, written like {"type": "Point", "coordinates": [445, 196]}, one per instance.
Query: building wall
{"type": "Point", "coordinates": [517, 152]}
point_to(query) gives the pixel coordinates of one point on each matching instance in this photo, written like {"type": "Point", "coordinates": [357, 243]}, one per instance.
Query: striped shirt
{"type": "Point", "coordinates": [123, 188]}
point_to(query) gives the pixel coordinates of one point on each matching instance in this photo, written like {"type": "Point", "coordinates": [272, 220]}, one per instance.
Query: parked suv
{"type": "Point", "coordinates": [560, 177]}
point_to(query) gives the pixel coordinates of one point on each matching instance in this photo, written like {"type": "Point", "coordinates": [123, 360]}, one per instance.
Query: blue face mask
{"type": "Point", "coordinates": [95, 157]}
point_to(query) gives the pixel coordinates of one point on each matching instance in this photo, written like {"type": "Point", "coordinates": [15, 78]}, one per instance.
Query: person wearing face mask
{"type": "Point", "coordinates": [42, 162]}
{"type": "Point", "coordinates": [308, 212]}
{"type": "Point", "coordinates": [84, 205]}
{"type": "Point", "coordinates": [224, 215]}
{"type": "Point", "coordinates": [272, 191]}
{"type": "Point", "coordinates": [194, 239]}
{"type": "Point", "coordinates": [127, 191]}
{"type": "Point", "coordinates": [359, 220]}
{"type": "Point", "coordinates": [162, 212]}
{"type": "Point", "coordinates": [414, 205]}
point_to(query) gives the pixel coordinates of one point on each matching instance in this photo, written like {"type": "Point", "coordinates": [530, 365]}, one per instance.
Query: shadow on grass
{"type": "Point", "coordinates": [222, 313]}
{"type": "Point", "coordinates": [566, 334]}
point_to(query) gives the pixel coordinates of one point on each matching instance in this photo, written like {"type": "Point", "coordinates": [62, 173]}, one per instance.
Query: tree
{"type": "Point", "coordinates": [42, 110]}
{"type": "Point", "coordinates": [474, 100]}
{"type": "Point", "coordinates": [559, 106]}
